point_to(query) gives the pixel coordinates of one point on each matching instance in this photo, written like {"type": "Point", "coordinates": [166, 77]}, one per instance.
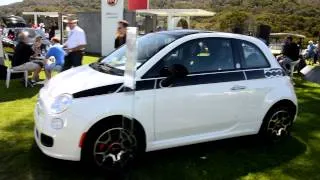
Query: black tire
{"type": "Point", "coordinates": [117, 153]}
{"type": "Point", "coordinates": [277, 124]}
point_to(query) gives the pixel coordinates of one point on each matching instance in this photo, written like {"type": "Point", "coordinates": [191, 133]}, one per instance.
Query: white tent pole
{"type": "Point", "coordinates": [35, 16]}
{"type": "Point", "coordinates": [61, 28]}
{"type": "Point", "coordinates": [170, 23]}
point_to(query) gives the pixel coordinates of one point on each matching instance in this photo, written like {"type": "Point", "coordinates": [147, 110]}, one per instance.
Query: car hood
{"type": "Point", "coordinates": [79, 79]}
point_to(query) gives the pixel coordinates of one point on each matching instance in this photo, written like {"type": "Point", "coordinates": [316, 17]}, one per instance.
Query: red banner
{"type": "Point", "coordinates": [137, 4]}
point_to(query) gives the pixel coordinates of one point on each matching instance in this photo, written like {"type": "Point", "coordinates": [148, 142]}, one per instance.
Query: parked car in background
{"type": "Point", "coordinates": [14, 26]}
{"type": "Point", "coordinates": [191, 87]}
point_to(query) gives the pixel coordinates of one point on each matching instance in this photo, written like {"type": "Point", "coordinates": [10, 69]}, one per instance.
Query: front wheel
{"type": "Point", "coordinates": [110, 148]}
{"type": "Point", "coordinates": [277, 124]}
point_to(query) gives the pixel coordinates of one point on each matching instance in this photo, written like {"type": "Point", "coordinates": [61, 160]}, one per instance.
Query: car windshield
{"type": "Point", "coordinates": [148, 46]}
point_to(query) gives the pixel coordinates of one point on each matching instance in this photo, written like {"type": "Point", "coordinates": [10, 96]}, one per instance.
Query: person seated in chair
{"type": "Point", "coordinates": [21, 58]}
{"type": "Point", "coordinates": [290, 53]}
{"type": "Point", "coordinates": [54, 58]}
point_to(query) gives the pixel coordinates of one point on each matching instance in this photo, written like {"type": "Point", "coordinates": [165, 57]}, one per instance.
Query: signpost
{"type": "Point", "coordinates": [111, 14]}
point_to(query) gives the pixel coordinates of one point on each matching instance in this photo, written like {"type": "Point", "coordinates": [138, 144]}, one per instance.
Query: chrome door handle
{"type": "Point", "coordinates": [237, 88]}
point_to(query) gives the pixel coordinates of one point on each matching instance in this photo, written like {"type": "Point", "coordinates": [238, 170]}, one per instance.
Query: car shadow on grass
{"type": "Point", "coordinates": [225, 159]}
{"type": "Point", "coordinates": [20, 158]}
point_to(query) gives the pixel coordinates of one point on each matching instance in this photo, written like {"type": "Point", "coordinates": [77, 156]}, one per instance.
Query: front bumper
{"type": "Point", "coordinates": [61, 144]}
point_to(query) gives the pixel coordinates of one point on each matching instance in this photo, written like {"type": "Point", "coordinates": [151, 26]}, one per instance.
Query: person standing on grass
{"type": "Point", "coordinates": [311, 50]}
{"type": "Point", "coordinates": [75, 45]}
{"type": "Point", "coordinates": [121, 36]}
{"type": "Point", "coordinates": [54, 58]}
{"type": "Point", "coordinates": [316, 53]}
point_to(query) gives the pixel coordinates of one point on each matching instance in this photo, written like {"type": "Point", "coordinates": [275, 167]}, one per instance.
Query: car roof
{"type": "Point", "coordinates": [186, 32]}
{"type": "Point", "coordinates": [182, 32]}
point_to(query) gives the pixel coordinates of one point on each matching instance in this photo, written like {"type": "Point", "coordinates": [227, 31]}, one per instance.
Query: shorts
{"type": "Point", "coordinates": [29, 66]}
{"type": "Point", "coordinates": [39, 62]}
{"type": "Point", "coordinates": [53, 67]}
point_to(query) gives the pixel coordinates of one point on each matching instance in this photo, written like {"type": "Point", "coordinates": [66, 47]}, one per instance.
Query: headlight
{"type": "Point", "coordinates": [61, 103]}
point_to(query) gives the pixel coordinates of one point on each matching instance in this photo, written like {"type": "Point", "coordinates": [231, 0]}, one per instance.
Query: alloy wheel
{"type": "Point", "coordinates": [279, 124]}
{"type": "Point", "coordinates": [114, 148]}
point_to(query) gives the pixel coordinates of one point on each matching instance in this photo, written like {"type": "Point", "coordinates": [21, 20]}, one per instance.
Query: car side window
{"type": "Point", "coordinates": [198, 56]}
{"type": "Point", "coordinates": [253, 56]}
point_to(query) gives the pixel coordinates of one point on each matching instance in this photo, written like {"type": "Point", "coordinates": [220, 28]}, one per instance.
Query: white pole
{"type": "Point", "coordinates": [130, 68]}
{"type": "Point", "coordinates": [35, 19]}
{"type": "Point", "coordinates": [188, 21]}
{"type": "Point", "coordinates": [170, 23]}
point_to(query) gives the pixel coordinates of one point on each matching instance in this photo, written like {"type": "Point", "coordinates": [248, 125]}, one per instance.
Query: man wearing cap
{"type": "Point", "coordinates": [75, 45]}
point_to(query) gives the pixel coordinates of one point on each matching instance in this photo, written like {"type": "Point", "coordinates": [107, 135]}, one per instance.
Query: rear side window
{"type": "Point", "coordinates": [252, 56]}
{"type": "Point", "coordinates": [199, 56]}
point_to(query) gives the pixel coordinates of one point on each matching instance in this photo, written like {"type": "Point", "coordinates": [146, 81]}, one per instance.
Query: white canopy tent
{"type": "Point", "coordinates": [174, 15]}
{"type": "Point", "coordinates": [49, 14]}
{"type": "Point", "coordinates": [36, 14]}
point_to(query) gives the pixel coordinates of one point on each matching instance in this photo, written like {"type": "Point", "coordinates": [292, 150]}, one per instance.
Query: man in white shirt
{"type": "Point", "coordinates": [75, 45]}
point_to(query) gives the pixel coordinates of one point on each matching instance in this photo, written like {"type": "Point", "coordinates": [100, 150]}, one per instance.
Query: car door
{"type": "Point", "coordinates": [259, 82]}
{"type": "Point", "coordinates": [207, 99]}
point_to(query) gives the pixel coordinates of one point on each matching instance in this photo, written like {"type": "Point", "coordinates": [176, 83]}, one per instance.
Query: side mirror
{"type": "Point", "coordinates": [179, 71]}
{"type": "Point", "coordinates": [165, 72]}
{"type": "Point", "coordinates": [173, 73]}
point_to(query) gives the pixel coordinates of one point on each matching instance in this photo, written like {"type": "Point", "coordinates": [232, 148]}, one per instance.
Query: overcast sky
{"type": "Point", "coordinates": [5, 2]}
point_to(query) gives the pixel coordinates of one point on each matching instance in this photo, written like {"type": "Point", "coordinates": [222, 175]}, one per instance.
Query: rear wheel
{"type": "Point", "coordinates": [110, 147]}
{"type": "Point", "coordinates": [277, 124]}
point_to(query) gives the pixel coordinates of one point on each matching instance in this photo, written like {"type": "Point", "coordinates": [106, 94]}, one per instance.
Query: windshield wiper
{"type": "Point", "coordinates": [106, 68]}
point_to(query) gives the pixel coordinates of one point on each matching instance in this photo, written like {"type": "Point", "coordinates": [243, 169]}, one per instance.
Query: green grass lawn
{"type": "Point", "coordinates": [239, 158]}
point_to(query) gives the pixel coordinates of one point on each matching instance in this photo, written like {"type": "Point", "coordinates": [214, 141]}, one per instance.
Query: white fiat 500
{"type": "Point", "coordinates": [191, 87]}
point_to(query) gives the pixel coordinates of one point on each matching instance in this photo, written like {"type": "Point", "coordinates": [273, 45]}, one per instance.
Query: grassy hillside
{"type": "Point", "coordinates": [301, 16]}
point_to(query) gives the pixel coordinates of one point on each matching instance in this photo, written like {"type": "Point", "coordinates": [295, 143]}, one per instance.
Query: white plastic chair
{"type": "Point", "coordinates": [292, 66]}
{"type": "Point", "coordinates": [11, 71]}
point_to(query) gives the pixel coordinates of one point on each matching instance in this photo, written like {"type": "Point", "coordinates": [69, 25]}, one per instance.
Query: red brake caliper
{"type": "Point", "coordinates": [102, 147]}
